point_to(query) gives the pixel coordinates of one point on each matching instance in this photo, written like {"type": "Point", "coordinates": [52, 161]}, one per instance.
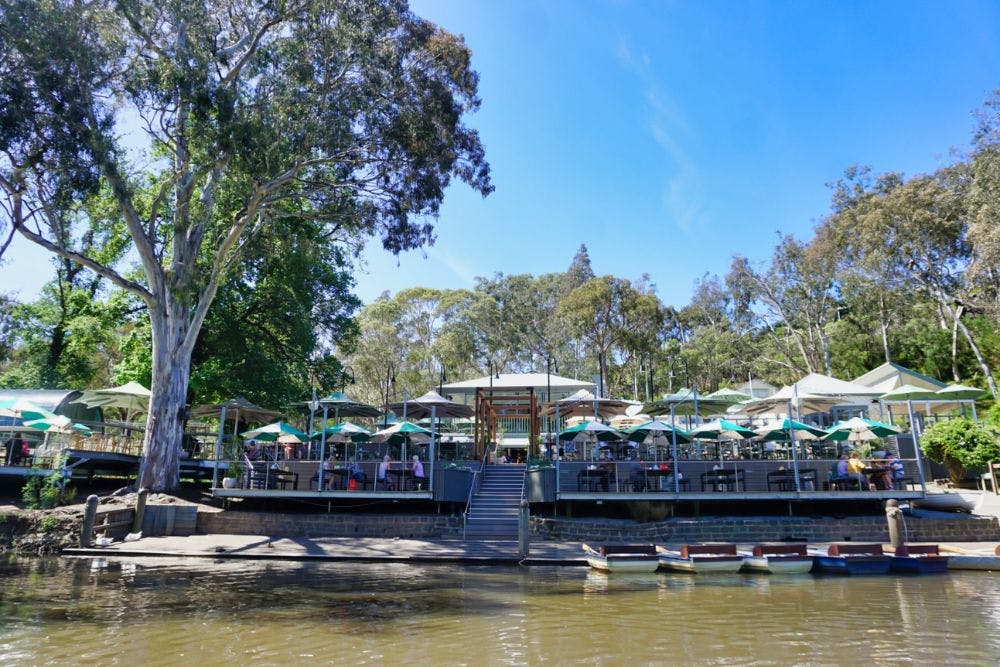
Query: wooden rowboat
{"type": "Point", "coordinates": [852, 559]}
{"type": "Point", "coordinates": [622, 557]}
{"type": "Point", "coordinates": [701, 558]}
{"type": "Point", "coordinates": [918, 559]}
{"type": "Point", "coordinates": [779, 559]}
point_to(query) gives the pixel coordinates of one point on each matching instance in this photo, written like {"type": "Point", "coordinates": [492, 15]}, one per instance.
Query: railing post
{"type": "Point", "coordinates": [89, 515]}
{"type": "Point", "coordinates": [140, 510]}
{"type": "Point", "coordinates": [522, 529]}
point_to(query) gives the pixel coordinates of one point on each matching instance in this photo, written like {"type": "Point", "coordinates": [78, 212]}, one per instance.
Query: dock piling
{"type": "Point", "coordinates": [894, 516]}
{"type": "Point", "coordinates": [522, 529]}
{"type": "Point", "coordinates": [89, 515]}
{"type": "Point", "coordinates": [140, 510]}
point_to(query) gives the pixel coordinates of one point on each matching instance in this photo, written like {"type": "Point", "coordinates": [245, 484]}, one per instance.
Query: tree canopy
{"type": "Point", "coordinates": [344, 112]}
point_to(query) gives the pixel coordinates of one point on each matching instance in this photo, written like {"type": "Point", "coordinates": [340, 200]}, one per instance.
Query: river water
{"type": "Point", "coordinates": [171, 611]}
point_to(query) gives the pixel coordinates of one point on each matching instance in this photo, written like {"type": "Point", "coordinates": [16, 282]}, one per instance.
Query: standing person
{"type": "Point", "coordinates": [418, 472]}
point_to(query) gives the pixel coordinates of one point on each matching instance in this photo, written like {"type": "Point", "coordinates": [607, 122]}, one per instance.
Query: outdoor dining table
{"type": "Point", "coordinates": [593, 478]}
{"type": "Point", "coordinates": [722, 480]}
{"type": "Point", "coordinates": [665, 479]}
{"type": "Point", "coordinates": [404, 478]}
{"type": "Point", "coordinates": [336, 478]}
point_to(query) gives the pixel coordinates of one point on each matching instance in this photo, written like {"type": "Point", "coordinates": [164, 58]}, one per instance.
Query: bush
{"type": "Point", "coordinates": [49, 524]}
{"type": "Point", "coordinates": [960, 444]}
{"type": "Point", "coordinates": [46, 493]}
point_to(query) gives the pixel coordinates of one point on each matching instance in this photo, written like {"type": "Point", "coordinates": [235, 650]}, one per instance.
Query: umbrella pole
{"type": "Point", "coordinates": [218, 448]}
{"type": "Point", "coordinates": [322, 452]}
{"type": "Point", "coordinates": [795, 457]}
{"type": "Point", "coordinates": [916, 444]}
{"type": "Point", "coordinates": [673, 450]}
{"type": "Point", "coordinates": [557, 447]}
{"type": "Point", "coordinates": [430, 457]}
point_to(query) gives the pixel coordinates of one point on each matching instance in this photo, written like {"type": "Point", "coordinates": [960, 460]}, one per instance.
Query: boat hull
{"type": "Point", "coordinates": [951, 501]}
{"type": "Point", "coordinates": [702, 564]}
{"type": "Point", "coordinates": [778, 564]}
{"type": "Point", "coordinates": [853, 565]}
{"type": "Point", "coordinates": [919, 564]}
{"type": "Point", "coordinates": [612, 564]}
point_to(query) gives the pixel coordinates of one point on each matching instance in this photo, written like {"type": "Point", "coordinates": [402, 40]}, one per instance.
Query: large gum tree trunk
{"type": "Point", "coordinates": [159, 470]}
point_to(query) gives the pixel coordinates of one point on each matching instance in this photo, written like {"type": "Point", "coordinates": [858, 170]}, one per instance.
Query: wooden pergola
{"type": "Point", "coordinates": [507, 402]}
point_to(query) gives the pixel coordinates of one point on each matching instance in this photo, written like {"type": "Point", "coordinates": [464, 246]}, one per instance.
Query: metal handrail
{"type": "Point", "coordinates": [473, 488]}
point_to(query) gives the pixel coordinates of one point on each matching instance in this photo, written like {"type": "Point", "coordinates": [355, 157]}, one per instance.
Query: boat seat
{"type": "Point", "coordinates": [689, 550]}
{"type": "Point", "coordinates": [630, 549]}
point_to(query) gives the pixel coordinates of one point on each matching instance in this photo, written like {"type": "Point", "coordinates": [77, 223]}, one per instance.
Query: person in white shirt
{"type": "Point", "coordinates": [383, 471]}
{"type": "Point", "coordinates": [418, 471]}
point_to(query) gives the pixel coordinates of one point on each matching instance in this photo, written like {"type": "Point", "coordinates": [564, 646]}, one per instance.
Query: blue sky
{"type": "Point", "coordinates": [668, 136]}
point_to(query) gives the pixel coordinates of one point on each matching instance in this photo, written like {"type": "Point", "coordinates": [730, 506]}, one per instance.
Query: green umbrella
{"type": "Point", "coordinates": [592, 429]}
{"type": "Point", "coordinates": [780, 431]}
{"type": "Point", "coordinates": [654, 429]}
{"type": "Point", "coordinates": [276, 431]}
{"type": "Point", "coordinates": [720, 428]}
{"type": "Point", "coordinates": [958, 392]}
{"type": "Point", "coordinates": [58, 424]}
{"type": "Point", "coordinates": [908, 392]}
{"type": "Point", "coordinates": [345, 432]}
{"type": "Point", "coordinates": [401, 432]}
{"type": "Point", "coordinates": [19, 408]}
{"type": "Point", "coordinates": [858, 428]}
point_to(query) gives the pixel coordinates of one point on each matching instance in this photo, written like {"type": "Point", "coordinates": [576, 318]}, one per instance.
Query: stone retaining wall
{"type": "Point", "coordinates": [331, 525]}
{"type": "Point", "coordinates": [962, 528]}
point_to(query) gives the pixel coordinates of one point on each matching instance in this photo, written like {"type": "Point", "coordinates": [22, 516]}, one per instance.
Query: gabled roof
{"type": "Point", "coordinates": [518, 381]}
{"type": "Point", "coordinates": [824, 385]}
{"type": "Point", "coordinates": [890, 376]}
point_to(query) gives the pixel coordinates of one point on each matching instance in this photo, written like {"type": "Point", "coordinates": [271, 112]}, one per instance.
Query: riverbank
{"type": "Point", "coordinates": [964, 555]}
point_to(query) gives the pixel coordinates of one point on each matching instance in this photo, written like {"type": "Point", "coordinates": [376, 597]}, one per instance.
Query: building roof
{"type": "Point", "coordinates": [517, 381]}
{"type": "Point", "coordinates": [824, 385]}
{"type": "Point", "coordinates": [891, 376]}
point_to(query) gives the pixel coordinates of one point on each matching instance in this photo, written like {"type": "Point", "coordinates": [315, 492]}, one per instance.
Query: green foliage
{"type": "Point", "coordinates": [960, 444]}
{"type": "Point", "coordinates": [234, 470]}
{"type": "Point", "coordinates": [49, 523]}
{"type": "Point", "coordinates": [993, 415]}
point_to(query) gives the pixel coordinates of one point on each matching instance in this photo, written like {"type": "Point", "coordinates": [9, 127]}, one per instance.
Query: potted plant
{"type": "Point", "coordinates": [233, 474]}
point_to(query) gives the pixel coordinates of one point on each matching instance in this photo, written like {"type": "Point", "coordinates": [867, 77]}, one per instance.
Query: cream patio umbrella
{"type": "Point", "coordinates": [131, 397]}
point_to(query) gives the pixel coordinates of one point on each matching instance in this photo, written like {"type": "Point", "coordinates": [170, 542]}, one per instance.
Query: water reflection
{"type": "Point", "coordinates": [161, 611]}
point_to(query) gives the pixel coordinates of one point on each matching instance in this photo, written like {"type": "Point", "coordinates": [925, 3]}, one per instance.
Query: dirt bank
{"type": "Point", "coordinates": [28, 532]}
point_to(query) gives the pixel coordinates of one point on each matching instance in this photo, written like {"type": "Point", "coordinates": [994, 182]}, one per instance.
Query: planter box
{"type": "Point", "coordinates": [540, 485]}
{"type": "Point", "coordinates": [452, 485]}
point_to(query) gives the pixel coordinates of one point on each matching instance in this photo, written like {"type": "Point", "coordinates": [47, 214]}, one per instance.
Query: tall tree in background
{"type": "Point", "coordinates": [345, 111]}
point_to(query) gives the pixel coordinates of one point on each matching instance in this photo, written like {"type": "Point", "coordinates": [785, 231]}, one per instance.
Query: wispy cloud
{"type": "Point", "coordinates": [683, 193]}
{"type": "Point", "coordinates": [455, 265]}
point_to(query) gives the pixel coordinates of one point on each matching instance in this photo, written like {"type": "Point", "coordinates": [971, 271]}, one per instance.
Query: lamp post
{"type": "Point", "coordinates": [550, 363]}
{"type": "Point", "coordinates": [390, 379]}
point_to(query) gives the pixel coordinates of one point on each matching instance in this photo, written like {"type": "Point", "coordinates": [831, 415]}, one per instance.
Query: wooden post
{"type": "Point", "coordinates": [894, 516]}
{"type": "Point", "coordinates": [522, 530]}
{"type": "Point", "coordinates": [89, 515]}
{"type": "Point", "coordinates": [140, 510]}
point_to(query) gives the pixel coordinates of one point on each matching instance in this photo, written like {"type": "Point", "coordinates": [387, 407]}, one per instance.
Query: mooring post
{"type": "Point", "coordinates": [140, 510]}
{"type": "Point", "coordinates": [522, 529]}
{"type": "Point", "coordinates": [89, 515]}
{"type": "Point", "coordinates": [894, 516]}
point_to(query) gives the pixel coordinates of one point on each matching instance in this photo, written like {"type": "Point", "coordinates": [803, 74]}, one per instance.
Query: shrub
{"type": "Point", "coordinates": [960, 444]}
{"type": "Point", "coordinates": [46, 493]}
{"type": "Point", "coordinates": [49, 524]}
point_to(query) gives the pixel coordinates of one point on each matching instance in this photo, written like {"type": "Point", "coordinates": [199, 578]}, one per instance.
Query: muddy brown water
{"type": "Point", "coordinates": [174, 611]}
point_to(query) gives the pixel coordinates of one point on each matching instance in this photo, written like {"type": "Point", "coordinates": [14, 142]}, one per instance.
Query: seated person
{"type": "Point", "coordinates": [856, 470]}
{"type": "Point", "coordinates": [636, 474]}
{"type": "Point", "coordinates": [417, 468]}
{"type": "Point", "coordinates": [355, 472]}
{"type": "Point", "coordinates": [382, 474]}
{"type": "Point", "coordinates": [254, 452]}
{"type": "Point", "coordinates": [895, 469]}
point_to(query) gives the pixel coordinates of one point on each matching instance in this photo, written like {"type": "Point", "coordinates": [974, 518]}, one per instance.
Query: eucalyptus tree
{"type": "Point", "coordinates": [345, 111]}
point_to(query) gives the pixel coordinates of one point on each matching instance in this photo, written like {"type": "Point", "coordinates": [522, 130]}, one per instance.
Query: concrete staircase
{"type": "Point", "coordinates": [493, 513]}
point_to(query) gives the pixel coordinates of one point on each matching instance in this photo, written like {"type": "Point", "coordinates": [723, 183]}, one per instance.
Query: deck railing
{"type": "Point", "coordinates": [736, 476]}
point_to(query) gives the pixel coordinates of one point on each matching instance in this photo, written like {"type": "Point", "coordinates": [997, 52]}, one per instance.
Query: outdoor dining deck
{"type": "Point", "coordinates": [715, 480]}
